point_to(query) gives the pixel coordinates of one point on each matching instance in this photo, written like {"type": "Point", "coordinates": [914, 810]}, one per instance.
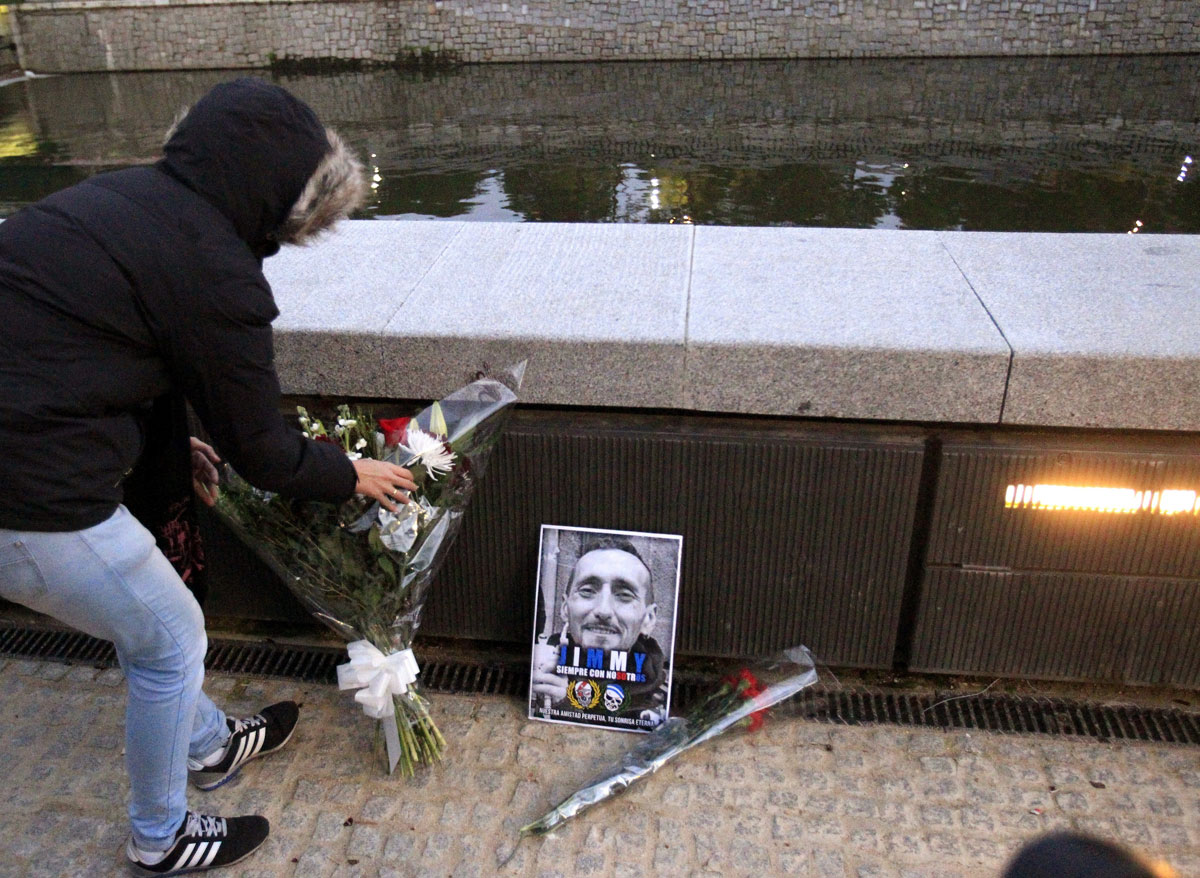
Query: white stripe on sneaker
{"type": "Point", "coordinates": [195, 861]}
{"type": "Point", "coordinates": [216, 846]}
{"type": "Point", "coordinates": [237, 760]}
{"type": "Point", "coordinates": [259, 739]}
{"type": "Point", "coordinates": [187, 855]}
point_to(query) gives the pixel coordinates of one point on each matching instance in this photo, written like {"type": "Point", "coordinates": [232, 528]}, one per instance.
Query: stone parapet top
{"type": "Point", "coordinates": [952, 327]}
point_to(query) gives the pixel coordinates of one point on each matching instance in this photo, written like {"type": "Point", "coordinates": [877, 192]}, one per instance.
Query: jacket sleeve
{"type": "Point", "coordinates": [224, 361]}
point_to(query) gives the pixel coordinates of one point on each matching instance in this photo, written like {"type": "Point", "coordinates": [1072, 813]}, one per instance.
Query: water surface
{"type": "Point", "coordinates": [1069, 144]}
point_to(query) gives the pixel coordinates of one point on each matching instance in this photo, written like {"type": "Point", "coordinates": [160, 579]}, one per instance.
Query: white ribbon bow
{"type": "Point", "coordinates": [377, 677]}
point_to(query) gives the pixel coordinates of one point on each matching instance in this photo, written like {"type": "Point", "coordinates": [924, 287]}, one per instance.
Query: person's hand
{"type": "Point", "coordinates": [548, 683]}
{"type": "Point", "coordinates": [544, 681]}
{"type": "Point", "coordinates": [204, 471]}
{"type": "Point", "coordinates": [383, 481]}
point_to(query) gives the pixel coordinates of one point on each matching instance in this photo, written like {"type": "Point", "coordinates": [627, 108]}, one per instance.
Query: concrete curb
{"type": "Point", "coordinates": [945, 327]}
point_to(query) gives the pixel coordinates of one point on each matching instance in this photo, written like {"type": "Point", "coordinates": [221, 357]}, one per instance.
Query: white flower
{"type": "Point", "coordinates": [353, 455]}
{"type": "Point", "coordinates": [360, 444]}
{"type": "Point", "coordinates": [347, 422]}
{"type": "Point", "coordinates": [428, 450]}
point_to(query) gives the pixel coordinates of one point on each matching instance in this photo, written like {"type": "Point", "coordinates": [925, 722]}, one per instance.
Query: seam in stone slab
{"type": "Point", "coordinates": [685, 385]}
{"type": "Point", "coordinates": [995, 323]}
{"type": "Point", "coordinates": [432, 263]}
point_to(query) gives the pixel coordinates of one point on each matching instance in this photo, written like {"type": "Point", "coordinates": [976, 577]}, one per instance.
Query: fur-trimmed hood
{"type": "Point", "coordinates": [262, 158]}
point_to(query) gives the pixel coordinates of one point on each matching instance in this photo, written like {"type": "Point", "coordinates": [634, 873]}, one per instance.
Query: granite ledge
{"type": "Point", "coordinates": [950, 327]}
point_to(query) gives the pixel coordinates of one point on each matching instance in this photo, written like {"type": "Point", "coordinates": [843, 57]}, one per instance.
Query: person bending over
{"type": "Point", "coordinates": [125, 297]}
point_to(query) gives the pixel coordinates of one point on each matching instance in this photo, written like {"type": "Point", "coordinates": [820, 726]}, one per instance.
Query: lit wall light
{"type": "Point", "coordinates": [1098, 499]}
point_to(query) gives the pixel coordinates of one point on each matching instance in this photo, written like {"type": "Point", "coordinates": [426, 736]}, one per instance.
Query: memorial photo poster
{"type": "Point", "coordinates": [604, 632]}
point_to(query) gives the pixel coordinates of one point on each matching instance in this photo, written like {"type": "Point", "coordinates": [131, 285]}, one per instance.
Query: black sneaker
{"type": "Point", "coordinates": [203, 842]}
{"type": "Point", "coordinates": [259, 735]}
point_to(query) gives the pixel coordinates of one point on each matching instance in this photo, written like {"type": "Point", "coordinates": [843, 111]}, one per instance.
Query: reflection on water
{"type": "Point", "coordinates": [856, 195]}
{"type": "Point", "coordinates": [1080, 144]}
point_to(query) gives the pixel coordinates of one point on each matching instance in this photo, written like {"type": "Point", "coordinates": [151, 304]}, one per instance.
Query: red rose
{"type": "Point", "coordinates": [753, 688]}
{"type": "Point", "coordinates": [757, 719]}
{"type": "Point", "coordinates": [393, 429]}
{"type": "Point", "coordinates": [750, 688]}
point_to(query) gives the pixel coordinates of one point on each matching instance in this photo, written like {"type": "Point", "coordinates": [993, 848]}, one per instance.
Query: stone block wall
{"type": "Point", "coordinates": [80, 35]}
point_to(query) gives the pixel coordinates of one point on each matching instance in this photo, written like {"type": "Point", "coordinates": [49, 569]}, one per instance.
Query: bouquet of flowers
{"type": "Point", "coordinates": [740, 701]}
{"type": "Point", "coordinates": [365, 571]}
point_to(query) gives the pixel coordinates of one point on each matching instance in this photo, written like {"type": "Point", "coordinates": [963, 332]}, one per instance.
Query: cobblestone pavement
{"type": "Point", "coordinates": [796, 799]}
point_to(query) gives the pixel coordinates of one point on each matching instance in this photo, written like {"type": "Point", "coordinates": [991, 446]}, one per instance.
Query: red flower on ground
{"type": "Point", "coordinates": [753, 688]}
{"type": "Point", "coordinates": [393, 429]}
{"type": "Point", "coordinates": [747, 686]}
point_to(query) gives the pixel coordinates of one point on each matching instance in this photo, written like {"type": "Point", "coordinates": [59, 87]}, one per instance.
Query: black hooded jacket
{"type": "Point", "coordinates": [145, 283]}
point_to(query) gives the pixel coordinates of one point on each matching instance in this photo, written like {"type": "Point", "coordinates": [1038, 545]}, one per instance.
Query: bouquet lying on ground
{"type": "Point", "coordinates": [741, 701]}
{"type": "Point", "coordinates": [365, 571]}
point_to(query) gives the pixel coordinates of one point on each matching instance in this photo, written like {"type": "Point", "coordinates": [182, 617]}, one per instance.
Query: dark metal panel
{"type": "Point", "coordinates": [971, 525]}
{"type": "Point", "coordinates": [1053, 625]}
{"type": "Point", "coordinates": [1168, 635]}
{"type": "Point", "coordinates": [791, 535]}
{"type": "Point", "coordinates": [240, 585]}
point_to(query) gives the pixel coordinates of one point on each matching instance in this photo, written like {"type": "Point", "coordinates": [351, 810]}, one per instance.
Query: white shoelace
{"type": "Point", "coordinates": [240, 725]}
{"type": "Point", "coordinates": [196, 824]}
{"type": "Point", "coordinates": [202, 824]}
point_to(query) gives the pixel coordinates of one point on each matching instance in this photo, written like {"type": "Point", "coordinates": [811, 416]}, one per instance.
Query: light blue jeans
{"type": "Point", "coordinates": [112, 582]}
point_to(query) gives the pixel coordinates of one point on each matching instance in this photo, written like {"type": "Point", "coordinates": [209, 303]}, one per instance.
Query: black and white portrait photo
{"type": "Point", "coordinates": [605, 628]}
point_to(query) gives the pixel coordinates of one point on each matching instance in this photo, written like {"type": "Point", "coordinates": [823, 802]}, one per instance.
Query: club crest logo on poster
{"type": "Point", "coordinates": [614, 697]}
{"type": "Point", "coordinates": [604, 633]}
{"type": "Point", "coordinates": [583, 694]}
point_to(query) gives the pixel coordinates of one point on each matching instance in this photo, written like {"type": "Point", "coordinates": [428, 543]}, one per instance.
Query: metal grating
{"type": "Point", "coordinates": [1017, 714]}
{"type": "Point", "coordinates": [64, 646]}
{"type": "Point", "coordinates": [309, 664]}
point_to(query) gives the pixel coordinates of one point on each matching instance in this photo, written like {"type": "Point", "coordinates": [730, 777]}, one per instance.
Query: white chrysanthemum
{"type": "Point", "coordinates": [429, 451]}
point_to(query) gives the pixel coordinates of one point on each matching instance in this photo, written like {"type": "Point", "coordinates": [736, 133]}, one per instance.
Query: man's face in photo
{"type": "Point", "coordinates": [608, 603]}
